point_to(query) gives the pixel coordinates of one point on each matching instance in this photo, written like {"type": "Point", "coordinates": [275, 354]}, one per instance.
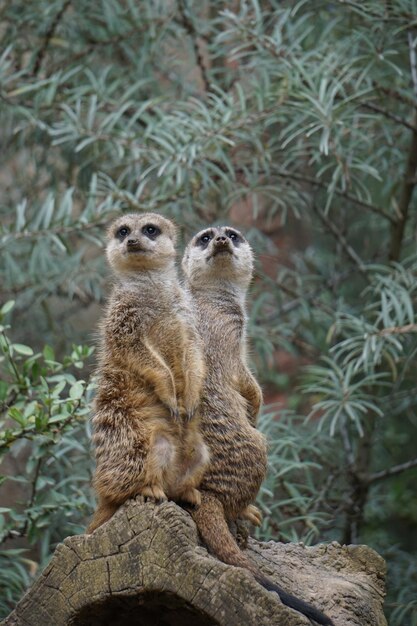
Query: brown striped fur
{"type": "Point", "coordinates": [146, 425]}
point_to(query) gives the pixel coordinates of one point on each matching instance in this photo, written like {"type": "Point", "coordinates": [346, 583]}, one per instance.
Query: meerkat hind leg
{"type": "Point", "coordinates": [160, 463]}
{"type": "Point", "coordinates": [192, 471]}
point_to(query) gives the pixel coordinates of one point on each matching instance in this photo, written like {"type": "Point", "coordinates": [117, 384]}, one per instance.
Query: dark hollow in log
{"type": "Point", "coordinates": [147, 609]}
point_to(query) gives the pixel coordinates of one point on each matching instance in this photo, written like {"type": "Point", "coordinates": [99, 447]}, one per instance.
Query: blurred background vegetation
{"type": "Point", "coordinates": [295, 121]}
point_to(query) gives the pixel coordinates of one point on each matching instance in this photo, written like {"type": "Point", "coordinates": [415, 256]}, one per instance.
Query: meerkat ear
{"type": "Point", "coordinates": [174, 232]}
{"type": "Point", "coordinates": [169, 227]}
{"type": "Point", "coordinates": [110, 230]}
{"type": "Point", "coordinates": [184, 262]}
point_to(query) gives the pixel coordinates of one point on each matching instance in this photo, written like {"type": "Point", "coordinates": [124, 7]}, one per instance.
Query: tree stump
{"type": "Point", "coordinates": [146, 567]}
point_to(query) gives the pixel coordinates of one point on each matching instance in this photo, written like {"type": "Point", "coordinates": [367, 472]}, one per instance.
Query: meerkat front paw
{"type": "Point", "coordinates": [191, 405]}
{"type": "Point", "coordinates": [252, 514]}
{"type": "Point", "coordinates": [173, 409]}
{"type": "Point", "coordinates": [155, 493]}
{"type": "Point", "coordinates": [190, 413]}
{"type": "Point", "coordinates": [175, 414]}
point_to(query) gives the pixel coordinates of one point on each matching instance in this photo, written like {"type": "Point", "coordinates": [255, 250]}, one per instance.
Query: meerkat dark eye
{"type": "Point", "coordinates": [151, 231]}
{"type": "Point", "coordinates": [204, 239]}
{"type": "Point", "coordinates": [233, 236]}
{"type": "Point", "coordinates": [122, 232]}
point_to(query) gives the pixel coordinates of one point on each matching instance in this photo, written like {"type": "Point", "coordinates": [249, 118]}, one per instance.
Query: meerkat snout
{"type": "Point", "coordinates": [221, 244]}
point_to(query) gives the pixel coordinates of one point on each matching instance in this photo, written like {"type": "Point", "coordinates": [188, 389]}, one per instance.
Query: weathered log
{"type": "Point", "coordinates": [146, 567]}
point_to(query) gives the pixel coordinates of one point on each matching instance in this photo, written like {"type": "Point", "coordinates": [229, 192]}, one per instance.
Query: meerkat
{"type": "Point", "coordinates": [146, 431]}
{"type": "Point", "coordinates": [218, 267]}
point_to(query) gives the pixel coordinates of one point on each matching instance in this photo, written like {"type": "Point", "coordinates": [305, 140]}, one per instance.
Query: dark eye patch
{"type": "Point", "coordinates": [234, 236]}
{"type": "Point", "coordinates": [204, 239]}
{"type": "Point", "coordinates": [151, 231]}
{"type": "Point", "coordinates": [122, 232]}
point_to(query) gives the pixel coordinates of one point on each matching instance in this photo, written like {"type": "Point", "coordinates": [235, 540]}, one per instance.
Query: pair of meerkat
{"type": "Point", "coordinates": [158, 365]}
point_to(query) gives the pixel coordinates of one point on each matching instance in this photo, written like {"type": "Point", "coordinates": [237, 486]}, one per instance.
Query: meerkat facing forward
{"type": "Point", "coordinates": [145, 428]}
{"type": "Point", "coordinates": [218, 265]}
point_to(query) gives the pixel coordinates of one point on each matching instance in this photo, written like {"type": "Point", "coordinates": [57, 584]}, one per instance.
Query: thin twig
{"type": "Point", "coordinates": [396, 95]}
{"type": "Point", "coordinates": [30, 432]}
{"type": "Point", "coordinates": [347, 444]}
{"type": "Point", "coordinates": [390, 15]}
{"type": "Point", "coordinates": [398, 229]}
{"type": "Point", "coordinates": [323, 492]}
{"type": "Point", "coordinates": [393, 471]}
{"type": "Point", "coordinates": [32, 496]}
{"type": "Point", "coordinates": [315, 183]}
{"type": "Point", "coordinates": [413, 61]}
{"type": "Point", "coordinates": [318, 183]}
{"type": "Point", "coordinates": [343, 194]}
{"type": "Point", "coordinates": [12, 363]}
{"type": "Point", "coordinates": [399, 330]}
{"type": "Point", "coordinates": [58, 230]}
{"type": "Point", "coordinates": [304, 297]}
{"type": "Point", "coordinates": [49, 34]}
{"type": "Point", "coordinates": [347, 248]}
{"type": "Point", "coordinates": [187, 23]}
{"type": "Point", "coordinates": [389, 115]}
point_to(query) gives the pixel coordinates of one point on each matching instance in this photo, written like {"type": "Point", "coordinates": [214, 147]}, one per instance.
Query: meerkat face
{"type": "Point", "coordinates": [141, 241]}
{"type": "Point", "coordinates": [219, 253]}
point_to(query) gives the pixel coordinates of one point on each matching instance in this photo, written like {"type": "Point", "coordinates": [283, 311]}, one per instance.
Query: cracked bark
{"type": "Point", "coordinates": [146, 567]}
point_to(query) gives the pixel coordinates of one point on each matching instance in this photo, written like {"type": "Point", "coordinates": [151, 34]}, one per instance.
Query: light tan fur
{"type": "Point", "coordinates": [146, 430]}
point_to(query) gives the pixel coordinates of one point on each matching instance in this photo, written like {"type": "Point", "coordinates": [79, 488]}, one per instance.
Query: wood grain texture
{"type": "Point", "coordinates": [146, 567]}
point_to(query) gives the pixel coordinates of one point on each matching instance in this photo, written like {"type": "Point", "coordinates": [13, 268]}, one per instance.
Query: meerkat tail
{"type": "Point", "coordinates": [293, 602]}
{"type": "Point", "coordinates": [104, 512]}
{"type": "Point", "coordinates": [213, 528]}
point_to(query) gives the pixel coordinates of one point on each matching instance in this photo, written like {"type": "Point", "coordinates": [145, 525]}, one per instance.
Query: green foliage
{"type": "Point", "coordinates": [43, 417]}
{"type": "Point", "coordinates": [295, 119]}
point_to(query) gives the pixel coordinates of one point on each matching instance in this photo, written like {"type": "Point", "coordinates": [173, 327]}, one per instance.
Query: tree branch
{"type": "Point", "coordinates": [317, 183]}
{"type": "Point", "coordinates": [398, 229]}
{"type": "Point", "coordinates": [49, 34]}
{"type": "Point", "coordinates": [342, 194]}
{"type": "Point", "coordinates": [413, 62]}
{"type": "Point", "coordinates": [393, 471]}
{"type": "Point", "coordinates": [348, 250]}
{"type": "Point", "coordinates": [32, 496]}
{"type": "Point", "coordinates": [389, 115]}
{"type": "Point", "coordinates": [396, 95]}
{"type": "Point", "coordinates": [399, 330]}
{"type": "Point", "coordinates": [58, 230]}
{"type": "Point", "coordinates": [189, 27]}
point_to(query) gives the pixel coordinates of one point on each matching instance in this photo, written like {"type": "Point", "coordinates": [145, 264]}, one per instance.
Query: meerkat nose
{"type": "Point", "coordinates": [132, 241]}
{"type": "Point", "coordinates": [221, 239]}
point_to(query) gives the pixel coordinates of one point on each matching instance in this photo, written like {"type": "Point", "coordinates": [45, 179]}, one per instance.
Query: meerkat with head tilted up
{"type": "Point", "coordinates": [145, 426]}
{"type": "Point", "coordinates": [218, 266]}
